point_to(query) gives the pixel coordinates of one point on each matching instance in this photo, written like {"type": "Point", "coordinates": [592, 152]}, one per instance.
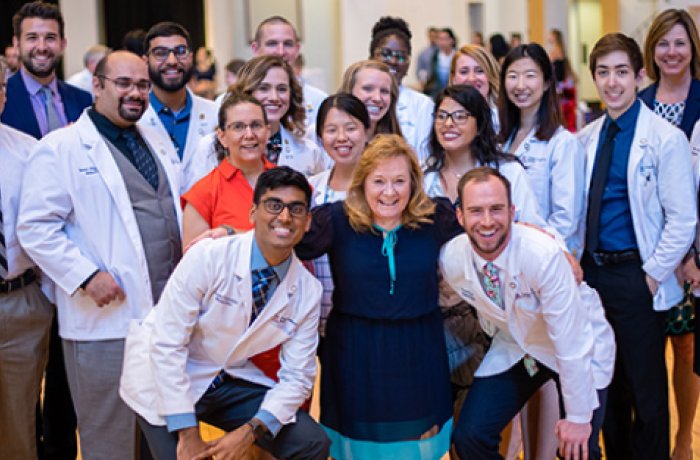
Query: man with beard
{"type": "Point", "coordinates": [102, 222]}
{"type": "Point", "coordinates": [544, 326]}
{"type": "Point", "coordinates": [277, 37]}
{"type": "Point", "coordinates": [175, 112]}
{"type": "Point", "coordinates": [37, 101]}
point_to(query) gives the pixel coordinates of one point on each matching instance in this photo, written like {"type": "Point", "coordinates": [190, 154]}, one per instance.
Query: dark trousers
{"type": "Point", "coordinates": [637, 420]}
{"type": "Point", "coordinates": [493, 401]}
{"type": "Point", "coordinates": [230, 406]}
{"type": "Point", "coordinates": [56, 437]}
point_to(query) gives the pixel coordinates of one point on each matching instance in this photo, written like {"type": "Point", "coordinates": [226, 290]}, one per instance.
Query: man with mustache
{"type": "Point", "coordinates": [37, 103]}
{"type": "Point", "coordinates": [175, 112]}
{"type": "Point", "coordinates": [102, 222]}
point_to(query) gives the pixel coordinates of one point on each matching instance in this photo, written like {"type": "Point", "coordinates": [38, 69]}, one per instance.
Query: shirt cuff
{"type": "Point", "coordinates": [580, 418]}
{"type": "Point", "coordinates": [180, 421]}
{"type": "Point", "coordinates": [270, 421]}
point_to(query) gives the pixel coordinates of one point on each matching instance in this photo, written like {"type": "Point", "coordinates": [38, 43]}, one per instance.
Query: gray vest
{"type": "Point", "coordinates": [156, 218]}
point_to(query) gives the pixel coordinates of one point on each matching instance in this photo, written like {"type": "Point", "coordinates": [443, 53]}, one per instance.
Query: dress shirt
{"type": "Point", "coordinates": [175, 123]}
{"type": "Point", "coordinates": [616, 226]}
{"type": "Point", "coordinates": [114, 134]}
{"type": "Point", "coordinates": [257, 262]}
{"type": "Point", "coordinates": [37, 99]}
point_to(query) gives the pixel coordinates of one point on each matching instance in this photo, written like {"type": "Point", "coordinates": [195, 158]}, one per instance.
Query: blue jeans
{"type": "Point", "coordinates": [231, 405]}
{"type": "Point", "coordinates": [493, 401]}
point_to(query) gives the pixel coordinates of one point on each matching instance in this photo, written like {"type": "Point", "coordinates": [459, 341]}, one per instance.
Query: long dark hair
{"type": "Point", "coordinates": [484, 147]}
{"type": "Point", "coordinates": [548, 115]}
{"type": "Point", "coordinates": [345, 102]}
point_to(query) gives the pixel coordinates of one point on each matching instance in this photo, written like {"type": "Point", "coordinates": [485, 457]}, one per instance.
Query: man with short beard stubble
{"type": "Point", "coordinates": [103, 225]}
{"type": "Point", "coordinates": [175, 113]}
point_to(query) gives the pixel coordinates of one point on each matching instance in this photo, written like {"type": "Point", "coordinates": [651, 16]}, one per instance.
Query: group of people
{"type": "Point", "coordinates": [465, 260]}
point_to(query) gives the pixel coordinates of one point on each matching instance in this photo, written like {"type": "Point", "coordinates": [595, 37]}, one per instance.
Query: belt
{"type": "Point", "coordinates": [615, 258]}
{"type": "Point", "coordinates": [25, 279]}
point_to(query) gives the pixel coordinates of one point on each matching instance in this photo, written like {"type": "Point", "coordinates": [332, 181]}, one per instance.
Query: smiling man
{"type": "Point", "coordinates": [641, 208]}
{"type": "Point", "coordinates": [103, 224]}
{"type": "Point", "coordinates": [544, 326]}
{"type": "Point", "coordinates": [37, 101]}
{"type": "Point", "coordinates": [229, 300]}
{"type": "Point", "coordinates": [175, 113]}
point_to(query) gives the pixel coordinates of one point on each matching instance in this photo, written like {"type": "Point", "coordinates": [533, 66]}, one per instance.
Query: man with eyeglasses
{"type": "Point", "coordinates": [277, 36]}
{"type": "Point", "coordinates": [100, 215]}
{"type": "Point", "coordinates": [37, 101]}
{"type": "Point", "coordinates": [175, 113]}
{"type": "Point", "coordinates": [230, 299]}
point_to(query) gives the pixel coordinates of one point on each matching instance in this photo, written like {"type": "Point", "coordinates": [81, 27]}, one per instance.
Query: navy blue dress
{"type": "Point", "coordinates": [384, 369]}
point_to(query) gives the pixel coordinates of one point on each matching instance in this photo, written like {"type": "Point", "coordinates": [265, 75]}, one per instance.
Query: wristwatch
{"type": "Point", "coordinates": [259, 429]}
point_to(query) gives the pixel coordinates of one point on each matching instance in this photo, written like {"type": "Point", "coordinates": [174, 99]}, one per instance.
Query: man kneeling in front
{"type": "Point", "coordinates": [228, 300]}
{"type": "Point", "coordinates": [544, 326]}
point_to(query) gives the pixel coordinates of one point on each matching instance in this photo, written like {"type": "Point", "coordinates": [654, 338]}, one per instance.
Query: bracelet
{"type": "Point", "coordinates": [229, 230]}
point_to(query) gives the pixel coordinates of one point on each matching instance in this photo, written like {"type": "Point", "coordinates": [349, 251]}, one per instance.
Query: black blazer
{"type": "Point", "coordinates": [19, 113]}
{"type": "Point", "coordinates": [691, 113]}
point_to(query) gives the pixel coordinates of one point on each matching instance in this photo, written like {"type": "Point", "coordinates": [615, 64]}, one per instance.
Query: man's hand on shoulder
{"type": "Point", "coordinates": [231, 446]}
{"type": "Point", "coordinates": [573, 439]}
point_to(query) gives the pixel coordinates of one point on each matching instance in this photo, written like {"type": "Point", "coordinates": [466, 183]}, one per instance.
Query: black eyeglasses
{"type": "Point", "coordinates": [275, 206]}
{"type": "Point", "coordinates": [388, 55]}
{"type": "Point", "coordinates": [459, 117]}
{"type": "Point", "coordinates": [161, 53]}
{"type": "Point", "coordinates": [127, 84]}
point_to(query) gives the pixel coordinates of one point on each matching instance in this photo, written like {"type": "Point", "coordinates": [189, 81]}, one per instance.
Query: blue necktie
{"type": "Point", "coordinates": [143, 160]}
{"type": "Point", "coordinates": [53, 121]}
{"type": "Point", "coordinates": [262, 282]}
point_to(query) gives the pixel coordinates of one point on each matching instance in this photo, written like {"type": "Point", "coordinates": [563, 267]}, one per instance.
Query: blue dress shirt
{"type": "Point", "coordinates": [176, 123]}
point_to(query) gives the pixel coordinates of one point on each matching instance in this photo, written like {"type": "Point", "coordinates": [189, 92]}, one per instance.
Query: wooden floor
{"type": "Point", "coordinates": [211, 433]}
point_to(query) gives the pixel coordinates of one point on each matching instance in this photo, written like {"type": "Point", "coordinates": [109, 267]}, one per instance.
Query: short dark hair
{"type": "Point", "coordinates": [234, 65]}
{"type": "Point", "coordinates": [386, 27]}
{"type": "Point", "coordinates": [499, 46]}
{"type": "Point", "coordinates": [166, 29]}
{"type": "Point", "coordinates": [345, 102]}
{"type": "Point", "coordinates": [281, 176]}
{"type": "Point", "coordinates": [548, 118]}
{"type": "Point", "coordinates": [482, 174]}
{"type": "Point", "coordinates": [133, 41]}
{"type": "Point", "coordinates": [40, 10]}
{"type": "Point", "coordinates": [452, 35]}
{"type": "Point", "coordinates": [273, 20]}
{"type": "Point", "coordinates": [231, 100]}
{"type": "Point", "coordinates": [617, 42]}
{"type": "Point", "coordinates": [484, 148]}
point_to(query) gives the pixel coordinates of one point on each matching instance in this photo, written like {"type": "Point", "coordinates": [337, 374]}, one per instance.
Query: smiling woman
{"type": "Point", "coordinates": [385, 389]}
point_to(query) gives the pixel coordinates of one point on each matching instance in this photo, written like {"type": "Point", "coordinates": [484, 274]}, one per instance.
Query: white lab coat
{"type": "Point", "coordinates": [545, 314]}
{"type": "Point", "coordinates": [556, 170]}
{"type": "Point", "coordinates": [695, 151]}
{"type": "Point", "coordinates": [203, 121]}
{"type": "Point", "coordinates": [200, 326]}
{"type": "Point", "coordinates": [661, 195]}
{"type": "Point", "coordinates": [76, 217]}
{"type": "Point", "coordinates": [313, 97]}
{"type": "Point", "coordinates": [302, 155]}
{"type": "Point", "coordinates": [414, 111]}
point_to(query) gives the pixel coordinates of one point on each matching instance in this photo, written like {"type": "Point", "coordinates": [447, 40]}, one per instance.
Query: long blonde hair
{"type": "Point", "coordinates": [389, 124]}
{"type": "Point", "coordinates": [487, 62]}
{"type": "Point", "coordinates": [384, 147]}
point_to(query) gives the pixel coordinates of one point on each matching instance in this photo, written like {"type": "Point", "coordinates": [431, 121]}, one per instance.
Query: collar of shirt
{"type": "Point", "coordinates": [34, 86]}
{"type": "Point", "coordinates": [229, 171]}
{"type": "Point", "coordinates": [161, 109]}
{"type": "Point", "coordinates": [258, 262]}
{"type": "Point", "coordinates": [499, 262]}
{"type": "Point", "coordinates": [627, 120]}
{"type": "Point", "coordinates": [105, 127]}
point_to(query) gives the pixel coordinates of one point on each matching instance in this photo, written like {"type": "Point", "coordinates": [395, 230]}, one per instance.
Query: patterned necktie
{"type": "Point", "coordinates": [53, 121]}
{"type": "Point", "coordinates": [262, 282]}
{"type": "Point", "coordinates": [274, 147]}
{"type": "Point", "coordinates": [492, 283]}
{"type": "Point", "coordinates": [143, 160]}
{"type": "Point", "coordinates": [599, 178]}
{"type": "Point", "coordinates": [3, 250]}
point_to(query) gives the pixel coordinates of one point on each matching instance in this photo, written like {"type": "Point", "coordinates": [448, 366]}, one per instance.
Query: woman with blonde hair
{"type": "Point", "coordinates": [271, 81]}
{"type": "Point", "coordinates": [385, 385]}
{"type": "Point", "coordinates": [371, 82]}
{"type": "Point", "coordinates": [475, 66]}
{"type": "Point", "coordinates": [672, 62]}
